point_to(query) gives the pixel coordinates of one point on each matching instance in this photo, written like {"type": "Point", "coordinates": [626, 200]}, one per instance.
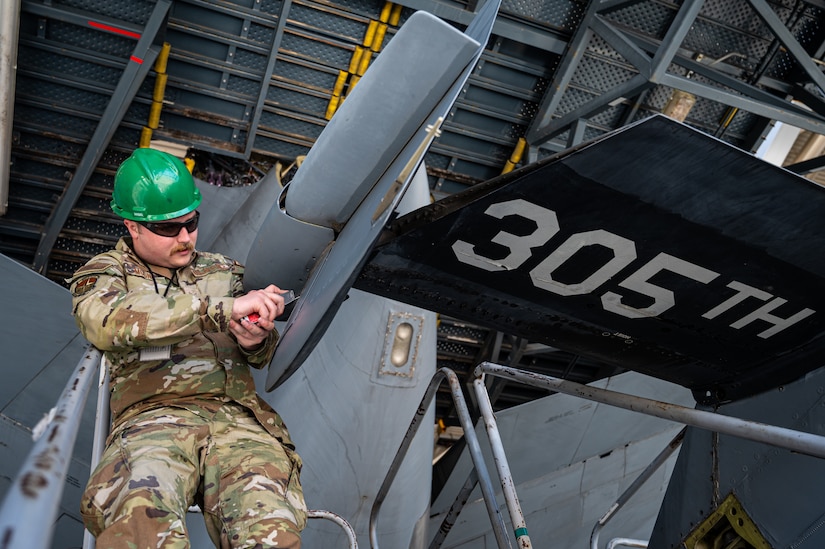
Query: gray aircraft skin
{"type": "Point", "coordinates": [348, 405]}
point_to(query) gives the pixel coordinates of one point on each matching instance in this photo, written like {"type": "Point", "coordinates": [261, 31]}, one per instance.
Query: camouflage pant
{"type": "Point", "coordinates": [160, 462]}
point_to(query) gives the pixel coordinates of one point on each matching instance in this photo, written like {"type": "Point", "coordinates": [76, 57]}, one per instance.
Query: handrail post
{"type": "Point", "coordinates": [473, 446]}
{"type": "Point", "coordinates": [102, 428]}
{"type": "Point", "coordinates": [455, 509]}
{"type": "Point", "coordinates": [626, 542]}
{"type": "Point", "coordinates": [339, 520]}
{"type": "Point", "coordinates": [34, 497]}
{"type": "Point", "coordinates": [660, 460]}
{"type": "Point", "coordinates": [503, 468]}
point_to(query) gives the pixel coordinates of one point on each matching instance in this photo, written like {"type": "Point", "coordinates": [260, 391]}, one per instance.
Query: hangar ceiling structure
{"type": "Point", "coordinates": [243, 84]}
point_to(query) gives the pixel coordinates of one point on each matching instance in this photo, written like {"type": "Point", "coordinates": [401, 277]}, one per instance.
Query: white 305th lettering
{"type": "Point", "coordinates": [624, 253]}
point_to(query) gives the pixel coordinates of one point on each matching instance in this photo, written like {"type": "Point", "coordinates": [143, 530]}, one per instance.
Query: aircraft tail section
{"type": "Point", "coordinates": [366, 205]}
{"type": "Point", "coordinates": [656, 248]}
{"type": "Point", "coordinates": [381, 114]}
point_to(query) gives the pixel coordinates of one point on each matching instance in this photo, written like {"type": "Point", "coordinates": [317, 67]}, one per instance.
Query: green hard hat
{"type": "Point", "coordinates": [152, 185]}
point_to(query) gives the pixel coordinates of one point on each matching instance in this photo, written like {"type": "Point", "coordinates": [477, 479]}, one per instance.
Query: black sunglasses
{"type": "Point", "coordinates": [172, 228]}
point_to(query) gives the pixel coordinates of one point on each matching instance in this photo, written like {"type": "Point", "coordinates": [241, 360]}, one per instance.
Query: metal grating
{"type": "Point", "coordinates": [123, 10]}
{"type": "Point", "coordinates": [562, 15]}
{"type": "Point", "coordinates": [322, 20]}
{"type": "Point", "coordinates": [68, 70]}
{"type": "Point", "coordinates": [332, 53]}
{"type": "Point", "coordinates": [88, 39]}
{"type": "Point", "coordinates": [648, 18]}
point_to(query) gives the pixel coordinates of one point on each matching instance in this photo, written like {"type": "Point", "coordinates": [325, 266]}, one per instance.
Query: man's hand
{"type": "Point", "coordinates": [267, 304]}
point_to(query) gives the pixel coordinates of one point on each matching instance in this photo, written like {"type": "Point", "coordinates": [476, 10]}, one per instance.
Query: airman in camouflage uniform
{"type": "Point", "coordinates": [187, 425]}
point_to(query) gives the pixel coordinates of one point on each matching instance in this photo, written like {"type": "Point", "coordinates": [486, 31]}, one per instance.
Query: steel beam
{"type": "Point", "coordinates": [812, 100]}
{"type": "Point", "coordinates": [137, 68]}
{"type": "Point", "coordinates": [504, 27]}
{"type": "Point", "coordinates": [576, 134]}
{"type": "Point", "coordinates": [606, 5]}
{"type": "Point", "coordinates": [82, 18]}
{"type": "Point", "coordinates": [623, 46]}
{"type": "Point", "coordinates": [785, 114]}
{"type": "Point", "coordinates": [544, 128]}
{"type": "Point", "coordinates": [679, 28]}
{"type": "Point", "coordinates": [756, 94]}
{"type": "Point", "coordinates": [631, 88]}
{"type": "Point", "coordinates": [536, 133]}
{"type": "Point", "coordinates": [784, 35]}
{"type": "Point", "coordinates": [267, 77]}
{"type": "Point", "coordinates": [807, 166]}
{"type": "Point", "coordinates": [637, 51]}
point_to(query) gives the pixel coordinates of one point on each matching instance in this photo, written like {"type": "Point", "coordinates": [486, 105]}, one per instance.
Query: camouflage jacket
{"type": "Point", "coordinates": [120, 311]}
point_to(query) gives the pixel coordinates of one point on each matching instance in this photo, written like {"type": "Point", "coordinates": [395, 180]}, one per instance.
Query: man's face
{"type": "Point", "coordinates": [172, 252]}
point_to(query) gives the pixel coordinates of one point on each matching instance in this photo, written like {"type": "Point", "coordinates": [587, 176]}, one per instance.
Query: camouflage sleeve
{"type": "Point", "coordinates": [114, 317]}
{"type": "Point", "coordinates": [261, 356]}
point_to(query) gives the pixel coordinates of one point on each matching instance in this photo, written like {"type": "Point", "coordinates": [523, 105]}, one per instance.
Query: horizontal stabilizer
{"type": "Point", "coordinates": [656, 248]}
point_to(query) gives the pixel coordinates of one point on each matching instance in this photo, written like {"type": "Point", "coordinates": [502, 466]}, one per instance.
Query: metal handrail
{"type": "Point", "coordinates": [797, 441]}
{"type": "Point", "coordinates": [102, 428]}
{"type": "Point", "coordinates": [339, 520]}
{"type": "Point", "coordinates": [626, 542]}
{"type": "Point", "coordinates": [34, 497]}
{"type": "Point", "coordinates": [458, 504]}
{"type": "Point", "coordinates": [654, 466]}
{"type": "Point", "coordinates": [503, 468]}
{"type": "Point", "coordinates": [806, 443]}
{"type": "Point", "coordinates": [499, 529]}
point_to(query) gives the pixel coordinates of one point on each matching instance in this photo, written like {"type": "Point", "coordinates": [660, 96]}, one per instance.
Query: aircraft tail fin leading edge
{"type": "Point", "coordinates": [334, 273]}
{"type": "Point", "coordinates": [656, 248]}
{"type": "Point", "coordinates": [378, 118]}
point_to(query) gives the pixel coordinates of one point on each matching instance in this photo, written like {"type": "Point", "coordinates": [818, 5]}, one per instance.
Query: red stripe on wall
{"type": "Point", "coordinates": [115, 30]}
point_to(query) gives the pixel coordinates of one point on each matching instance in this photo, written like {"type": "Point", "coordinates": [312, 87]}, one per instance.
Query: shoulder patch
{"type": "Point", "coordinates": [135, 269]}
{"type": "Point", "coordinates": [84, 285]}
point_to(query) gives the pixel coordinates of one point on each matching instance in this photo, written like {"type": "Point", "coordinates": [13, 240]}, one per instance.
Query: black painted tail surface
{"type": "Point", "coordinates": [657, 248]}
